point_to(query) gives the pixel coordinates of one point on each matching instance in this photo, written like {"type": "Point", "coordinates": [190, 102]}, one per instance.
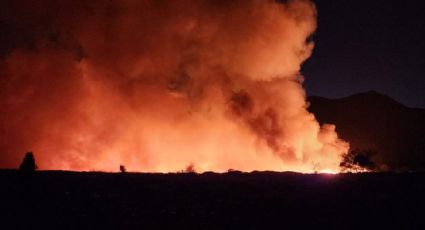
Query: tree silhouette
{"type": "Point", "coordinates": [28, 164]}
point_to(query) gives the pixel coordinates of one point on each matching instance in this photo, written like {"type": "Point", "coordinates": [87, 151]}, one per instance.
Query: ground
{"type": "Point", "coordinates": [258, 200]}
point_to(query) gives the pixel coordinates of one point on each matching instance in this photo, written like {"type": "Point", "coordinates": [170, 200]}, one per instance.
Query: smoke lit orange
{"type": "Point", "coordinates": [160, 85]}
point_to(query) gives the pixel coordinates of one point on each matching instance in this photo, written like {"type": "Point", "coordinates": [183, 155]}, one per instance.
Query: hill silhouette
{"type": "Point", "coordinates": [373, 121]}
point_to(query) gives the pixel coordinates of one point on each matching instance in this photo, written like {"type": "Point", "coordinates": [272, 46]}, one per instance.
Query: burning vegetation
{"type": "Point", "coordinates": [159, 85]}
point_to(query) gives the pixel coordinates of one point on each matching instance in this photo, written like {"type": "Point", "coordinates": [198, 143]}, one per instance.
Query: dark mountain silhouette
{"type": "Point", "coordinates": [377, 122]}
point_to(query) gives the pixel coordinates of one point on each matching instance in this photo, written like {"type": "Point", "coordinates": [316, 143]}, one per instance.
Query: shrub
{"type": "Point", "coordinates": [358, 160]}
{"type": "Point", "coordinates": [122, 169]}
{"type": "Point", "coordinates": [28, 164]}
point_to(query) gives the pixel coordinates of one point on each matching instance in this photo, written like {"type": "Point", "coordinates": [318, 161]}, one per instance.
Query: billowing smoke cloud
{"type": "Point", "coordinates": [160, 85]}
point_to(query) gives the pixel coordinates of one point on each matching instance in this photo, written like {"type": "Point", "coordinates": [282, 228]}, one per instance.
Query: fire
{"type": "Point", "coordinates": [161, 85]}
{"type": "Point", "coordinates": [328, 171]}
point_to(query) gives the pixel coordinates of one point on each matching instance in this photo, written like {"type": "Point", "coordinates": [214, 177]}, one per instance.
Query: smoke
{"type": "Point", "coordinates": [161, 85]}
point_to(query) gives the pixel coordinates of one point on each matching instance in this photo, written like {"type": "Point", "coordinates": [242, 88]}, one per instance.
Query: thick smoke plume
{"type": "Point", "coordinates": [161, 85]}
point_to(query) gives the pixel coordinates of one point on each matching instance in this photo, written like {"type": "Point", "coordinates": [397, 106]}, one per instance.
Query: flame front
{"type": "Point", "coordinates": [160, 85]}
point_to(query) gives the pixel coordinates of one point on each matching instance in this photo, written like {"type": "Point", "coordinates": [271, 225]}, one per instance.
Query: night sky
{"type": "Point", "coordinates": [369, 45]}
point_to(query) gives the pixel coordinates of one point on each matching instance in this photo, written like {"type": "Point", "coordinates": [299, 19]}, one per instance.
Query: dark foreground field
{"type": "Point", "coordinates": [68, 200]}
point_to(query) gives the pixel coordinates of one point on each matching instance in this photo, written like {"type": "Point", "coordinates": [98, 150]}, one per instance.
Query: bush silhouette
{"type": "Point", "coordinates": [358, 160]}
{"type": "Point", "coordinates": [28, 164]}
{"type": "Point", "coordinates": [122, 169]}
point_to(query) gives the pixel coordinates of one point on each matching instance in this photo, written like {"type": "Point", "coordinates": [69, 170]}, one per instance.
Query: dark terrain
{"type": "Point", "coordinates": [258, 200]}
{"type": "Point", "coordinates": [372, 121]}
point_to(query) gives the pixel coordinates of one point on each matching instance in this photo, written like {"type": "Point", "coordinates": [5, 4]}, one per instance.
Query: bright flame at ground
{"type": "Point", "coordinates": [328, 171]}
{"type": "Point", "coordinates": [161, 85]}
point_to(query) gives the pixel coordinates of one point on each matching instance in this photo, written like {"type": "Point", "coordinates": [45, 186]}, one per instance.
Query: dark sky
{"type": "Point", "coordinates": [369, 45]}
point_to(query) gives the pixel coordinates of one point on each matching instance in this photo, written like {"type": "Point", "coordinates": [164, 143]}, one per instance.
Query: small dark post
{"type": "Point", "coordinates": [122, 169]}
{"type": "Point", "coordinates": [28, 164]}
